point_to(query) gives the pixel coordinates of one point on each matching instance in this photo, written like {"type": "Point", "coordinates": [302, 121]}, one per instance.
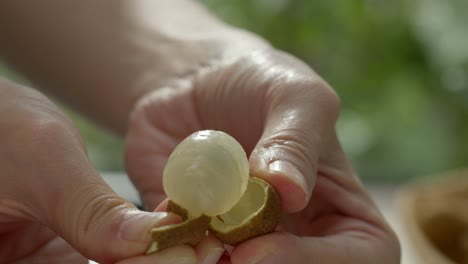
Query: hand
{"type": "Point", "coordinates": [284, 116]}
{"type": "Point", "coordinates": [54, 207]}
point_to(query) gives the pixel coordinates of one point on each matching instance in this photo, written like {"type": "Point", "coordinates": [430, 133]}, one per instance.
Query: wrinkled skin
{"type": "Point", "coordinates": [54, 207]}
{"type": "Point", "coordinates": [279, 110]}
{"type": "Point", "coordinates": [155, 71]}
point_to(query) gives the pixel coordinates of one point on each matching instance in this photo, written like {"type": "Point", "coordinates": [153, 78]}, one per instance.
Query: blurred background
{"type": "Point", "coordinates": [400, 68]}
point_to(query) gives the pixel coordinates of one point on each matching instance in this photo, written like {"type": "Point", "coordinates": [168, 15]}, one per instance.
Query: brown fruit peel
{"type": "Point", "coordinates": [263, 222]}
{"type": "Point", "coordinates": [193, 230]}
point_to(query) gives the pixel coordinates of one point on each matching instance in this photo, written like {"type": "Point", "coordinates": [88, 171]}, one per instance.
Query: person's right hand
{"type": "Point", "coordinates": [284, 115]}
{"type": "Point", "coordinates": [54, 207]}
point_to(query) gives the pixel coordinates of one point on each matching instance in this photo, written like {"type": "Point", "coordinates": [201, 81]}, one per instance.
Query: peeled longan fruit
{"type": "Point", "coordinates": [207, 173]}
{"type": "Point", "coordinates": [207, 181]}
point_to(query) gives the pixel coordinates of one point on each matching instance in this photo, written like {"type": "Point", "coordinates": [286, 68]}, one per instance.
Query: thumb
{"type": "Point", "coordinates": [93, 219]}
{"type": "Point", "coordinates": [299, 120]}
{"type": "Point", "coordinates": [105, 227]}
{"type": "Point", "coordinates": [47, 177]}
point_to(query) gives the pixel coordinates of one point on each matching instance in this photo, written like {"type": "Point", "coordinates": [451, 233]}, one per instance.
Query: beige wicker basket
{"type": "Point", "coordinates": [435, 216]}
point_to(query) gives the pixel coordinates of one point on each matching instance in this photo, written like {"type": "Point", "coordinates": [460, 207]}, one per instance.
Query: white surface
{"type": "Point", "coordinates": [384, 196]}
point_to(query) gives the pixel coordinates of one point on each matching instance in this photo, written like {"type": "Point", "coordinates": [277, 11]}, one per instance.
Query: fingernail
{"type": "Point", "coordinates": [138, 224]}
{"type": "Point", "coordinates": [290, 171]}
{"type": "Point", "coordinates": [213, 256]}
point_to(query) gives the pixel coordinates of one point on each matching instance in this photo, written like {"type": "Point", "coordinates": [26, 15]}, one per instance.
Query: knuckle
{"type": "Point", "coordinates": [45, 147]}
{"type": "Point", "coordinates": [296, 143]}
{"type": "Point", "coordinates": [310, 91]}
{"type": "Point", "coordinates": [320, 92]}
{"type": "Point", "coordinates": [32, 121]}
{"type": "Point", "coordinates": [40, 135]}
{"type": "Point", "coordinates": [330, 99]}
{"type": "Point", "coordinates": [45, 133]}
{"type": "Point", "coordinates": [98, 210]}
{"type": "Point", "coordinates": [94, 212]}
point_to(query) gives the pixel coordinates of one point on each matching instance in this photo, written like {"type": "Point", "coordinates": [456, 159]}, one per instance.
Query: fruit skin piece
{"type": "Point", "coordinates": [191, 232]}
{"type": "Point", "coordinates": [264, 222]}
{"type": "Point", "coordinates": [174, 208]}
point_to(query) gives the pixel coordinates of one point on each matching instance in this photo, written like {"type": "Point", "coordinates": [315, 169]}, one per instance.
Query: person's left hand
{"type": "Point", "coordinates": [284, 116]}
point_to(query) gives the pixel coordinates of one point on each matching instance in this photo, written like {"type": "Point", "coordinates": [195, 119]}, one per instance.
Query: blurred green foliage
{"type": "Point", "coordinates": [400, 68]}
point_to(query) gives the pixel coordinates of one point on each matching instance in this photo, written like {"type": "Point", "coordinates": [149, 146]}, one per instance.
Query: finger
{"type": "Point", "coordinates": [286, 248]}
{"type": "Point", "coordinates": [105, 227]}
{"type": "Point", "coordinates": [153, 135]}
{"type": "Point", "coordinates": [102, 225]}
{"type": "Point", "coordinates": [51, 180]}
{"type": "Point", "coordinates": [209, 250]}
{"type": "Point", "coordinates": [174, 255]}
{"type": "Point", "coordinates": [69, 197]}
{"type": "Point", "coordinates": [300, 118]}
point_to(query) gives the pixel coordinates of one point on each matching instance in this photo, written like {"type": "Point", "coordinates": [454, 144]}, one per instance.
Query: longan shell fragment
{"type": "Point", "coordinates": [258, 212]}
{"type": "Point", "coordinates": [191, 232]}
{"type": "Point", "coordinates": [174, 208]}
{"type": "Point", "coordinates": [262, 221]}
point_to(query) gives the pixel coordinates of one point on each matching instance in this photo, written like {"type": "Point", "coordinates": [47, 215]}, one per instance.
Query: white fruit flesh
{"type": "Point", "coordinates": [207, 173]}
